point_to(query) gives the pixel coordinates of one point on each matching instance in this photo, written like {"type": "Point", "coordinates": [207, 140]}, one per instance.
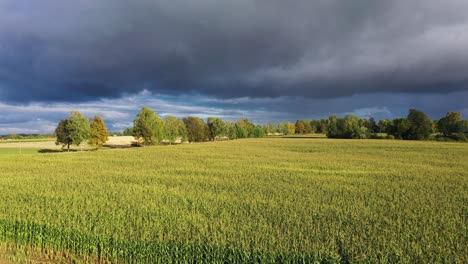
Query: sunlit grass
{"type": "Point", "coordinates": [274, 199]}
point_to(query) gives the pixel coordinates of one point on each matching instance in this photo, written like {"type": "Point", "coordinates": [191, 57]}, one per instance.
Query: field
{"type": "Point", "coordinates": [254, 200]}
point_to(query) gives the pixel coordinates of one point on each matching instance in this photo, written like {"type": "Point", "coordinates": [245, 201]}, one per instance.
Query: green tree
{"type": "Point", "coordinates": [398, 128]}
{"type": "Point", "coordinates": [78, 128]}
{"type": "Point", "coordinates": [14, 136]}
{"type": "Point", "coordinates": [353, 128]}
{"type": "Point", "coordinates": [383, 125]}
{"type": "Point", "coordinates": [332, 127]}
{"type": "Point", "coordinates": [128, 131]}
{"type": "Point", "coordinates": [63, 135]}
{"type": "Point", "coordinates": [420, 126]}
{"type": "Point", "coordinates": [175, 129]}
{"type": "Point", "coordinates": [372, 126]}
{"type": "Point", "coordinates": [148, 127]}
{"type": "Point", "coordinates": [197, 130]}
{"type": "Point", "coordinates": [270, 128]}
{"type": "Point", "coordinates": [451, 124]}
{"type": "Point", "coordinates": [258, 132]}
{"type": "Point", "coordinates": [283, 128]}
{"type": "Point", "coordinates": [323, 127]}
{"type": "Point", "coordinates": [182, 130]}
{"type": "Point", "coordinates": [216, 127]}
{"type": "Point", "coordinates": [231, 130]}
{"type": "Point", "coordinates": [244, 128]}
{"type": "Point", "coordinates": [98, 132]}
{"type": "Point", "coordinates": [241, 130]}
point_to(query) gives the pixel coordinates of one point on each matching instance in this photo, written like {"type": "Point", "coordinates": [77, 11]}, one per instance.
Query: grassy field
{"type": "Point", "coordinates": [268, 200]}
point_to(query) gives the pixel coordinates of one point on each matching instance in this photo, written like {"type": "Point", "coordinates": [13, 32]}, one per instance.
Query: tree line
{"type": "Point", "coordinates": [416, 126]}
{"type": "Point", "coordinates": [150, 129]}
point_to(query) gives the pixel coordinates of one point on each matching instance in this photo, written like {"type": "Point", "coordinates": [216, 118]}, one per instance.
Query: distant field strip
{"type": "Point", "coordinates": [254, 200]}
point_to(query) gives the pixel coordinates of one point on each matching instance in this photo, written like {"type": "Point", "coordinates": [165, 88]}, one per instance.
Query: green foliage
{"type": "Point", "coordinates": [62, 134]}
{"type": "Point", "coordinates": [98, 132]}
{"type": "Point", "coordinates": [283, 128]}
{"type": "Point", "coordinates": [128, 131]}
{"type": "Point", "coordinates": [270, 200]}
{"type": "Point", "coordinates": [231, 130]}
{"type": "Point", "coordinates": [216, 127]}
{"type": "Point", "coordinates": [14, 137]}
{"type": "Point", "coordinates": [258, 132]}
{"type": "Point", "coordinates": [78, 128]}
{"type": "Point", "coordinates": [74, 130]}
{"type": "Point", "coordinates": [332, 129]}
{"type": "Point", "coordinates": [148, 127]}
{"type": "Point", "coordinates": [244, 128]}
{"type": "Point", "coordinates": [452, 123]}
{"type": "Point", "coordinates": [420, 126]}
{"type": "Point", "coordinates": [271, 128]}
{"type": "Point", "coordinates": [399, 128]}
{"type": "Point", "coordinates": [348, 127]}
{"type": "Point", "coordinates": [197, 130]}
{"type": "Point", "coordinates": [384, 125]}
{"type": "Point", "coordinates": [175, 129]}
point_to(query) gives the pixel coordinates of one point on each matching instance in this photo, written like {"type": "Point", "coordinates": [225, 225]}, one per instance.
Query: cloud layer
{"type": "Point", "coordinates": [120, 112]}
{"type": "Point", "coordinates": [53, 50]}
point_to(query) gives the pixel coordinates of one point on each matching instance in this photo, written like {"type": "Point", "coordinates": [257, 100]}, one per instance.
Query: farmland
{"type": "Point", "coordinates": [273, 199]}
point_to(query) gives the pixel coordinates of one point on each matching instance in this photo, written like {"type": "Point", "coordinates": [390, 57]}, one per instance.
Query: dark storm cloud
{"type": "Point", "coordinates": [78, 50]}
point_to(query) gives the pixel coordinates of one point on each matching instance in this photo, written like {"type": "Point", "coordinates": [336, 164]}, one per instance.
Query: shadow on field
{"type": "Point", "coordinates": [299, 137]}
{"type": "Point", "coordinates": [54, 150]}
{"type": "Point", "coordinates": [117, 146]}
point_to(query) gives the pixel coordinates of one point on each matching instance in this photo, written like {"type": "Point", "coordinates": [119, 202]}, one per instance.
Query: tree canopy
{"type": "Point", "coordinates": [98, 132]}
{"type": "Point", "coordinates": [148, 128]}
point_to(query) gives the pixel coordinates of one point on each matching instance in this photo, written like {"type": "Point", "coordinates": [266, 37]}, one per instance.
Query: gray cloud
{"type": "Point", "coordinates": [54, 50]}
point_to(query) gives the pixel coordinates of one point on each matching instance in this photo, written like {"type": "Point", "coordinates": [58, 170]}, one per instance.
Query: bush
{"type": "Point", "coordinates": [390, 137]}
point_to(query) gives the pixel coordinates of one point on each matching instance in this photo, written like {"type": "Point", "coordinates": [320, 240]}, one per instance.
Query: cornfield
{"type": "Point", "coordinates": [254, 200]}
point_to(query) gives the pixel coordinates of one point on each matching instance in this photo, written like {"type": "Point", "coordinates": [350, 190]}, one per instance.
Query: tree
{"type": "Point", "coordinates": [283, 128]}
{"type": "Point", "coordinates": [300, 127]}
{"type": "Point", "coordinates": [332, 127]}
{"type": "Point", "coordinates": [314, 126]}
{"type": "Point", "coordinates": [292, 129]}
{"type": "Point", "coordinates": [63, 135]}
{"type": "Point", "coordinates": [128, 131]}
{"type": "Point", "coordinates": [323, 128]}
{"type": "Point", "coordinates": [78, 128]}
{"type": "Point", "coordinates": [420, 126]}
{"type": "Point", "coordinates": [148, 127]}
{"type": "Point", "coordinates": [231, 130]}
{"type": "Point", "coordinates": [372, 126]}
{"type": "Point", "coordinates": [384, 124]}
{"type": "Point", "coordinates": [98, 132]}
{"type": "Point", "coordinates": [398, 128]}
{"type": "Point", "coordinates": [349, 127]}
{"type": "Point", "coordinates": [354, 129]}
{"type": "Point", "coordinates": [258, 132]}
{"type": "Point", "coordinates": [216, 127]}
{"type": "Point", "coordinates": [271, 128]}
{"type": "Point", "coordinates": [451, 124]}
{"type": "Point", "coordinates": [14, 136]}
{"type": "Point", "coordinates": [196, 129]}
{"type": "Point", "coordinates": [244, 128]}
{"type": "Point", "coordinates": [182, 130]}
{"type": "Point", "coordinates": [241, 130]}
{"type": "Point", "coordinates": [175, 129]}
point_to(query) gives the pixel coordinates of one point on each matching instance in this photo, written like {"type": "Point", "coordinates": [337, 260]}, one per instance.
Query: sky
{"type": "Point", "coordinates": [267, 60]}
